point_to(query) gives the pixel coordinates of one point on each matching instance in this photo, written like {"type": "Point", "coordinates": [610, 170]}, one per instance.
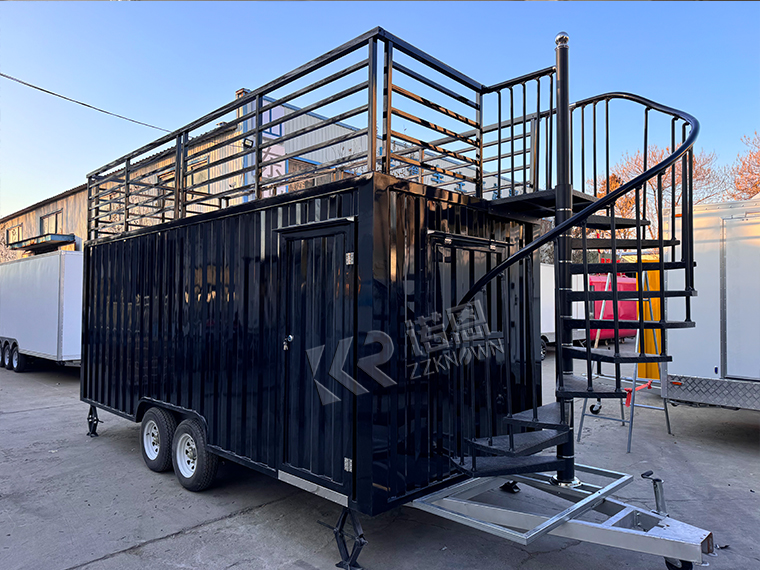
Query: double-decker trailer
{"type": "Point", "coordinates": [353, 309]}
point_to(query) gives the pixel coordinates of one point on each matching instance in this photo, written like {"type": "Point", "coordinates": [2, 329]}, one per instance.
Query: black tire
{"type": "Point", "coordinates": [678, 564]}
{"type": "Point", "coordinates": [7, 357]}
{"type": "Point", "coordinates": [595, 408]}
{"type": "Point", "coordinates": [156, 437]}
{"type": "Point", "coordinates": [194, 466]}
{"type": "Point", "coordinates": [18, 360]}
{"type": "Point", "coordinates": [543, 349]}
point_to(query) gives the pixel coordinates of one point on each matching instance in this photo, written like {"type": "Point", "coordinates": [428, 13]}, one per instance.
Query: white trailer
{"type": "Point", "coordinates": [41, 309]}
{"type": "Point", "coordinates": [719, 364]}
{"type": "Point", "coordinates": [548, 324]}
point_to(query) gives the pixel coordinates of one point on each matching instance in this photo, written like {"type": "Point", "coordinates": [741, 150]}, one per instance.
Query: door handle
{"type": "Point", "coordinates": [286, 342]}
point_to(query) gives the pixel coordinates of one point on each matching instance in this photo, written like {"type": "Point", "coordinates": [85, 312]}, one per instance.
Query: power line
{"type": "Point", "coordinates": [81, 103]}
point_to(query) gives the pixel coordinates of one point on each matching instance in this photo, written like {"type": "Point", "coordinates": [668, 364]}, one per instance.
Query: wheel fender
{"type": "Point", "coordinates": [182, 413]}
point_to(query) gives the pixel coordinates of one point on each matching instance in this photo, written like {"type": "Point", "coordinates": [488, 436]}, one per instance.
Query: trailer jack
{"type": "Point", "coordinates": [92, 422]}
{"type": "Point", "coordinates": [348, 561]}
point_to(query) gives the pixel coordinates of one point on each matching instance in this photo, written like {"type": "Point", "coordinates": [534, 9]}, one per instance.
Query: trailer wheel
{"type": "Point", "coordinates": [194, 466]}
{"type": "Point", "coordinates": [18, 360]}
{"type": "Point", "coordinates": [674, 564]}
{"type": "Point", "coordinates": [7, 357]}
{"type": "Point", "coordinates": [543, 349]}
{"type": "Point", "coordinates": [156, 435]}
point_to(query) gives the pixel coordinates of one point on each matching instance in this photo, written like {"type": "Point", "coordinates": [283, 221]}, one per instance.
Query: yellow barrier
{"type": "Point", "coordinates": [652, 338]}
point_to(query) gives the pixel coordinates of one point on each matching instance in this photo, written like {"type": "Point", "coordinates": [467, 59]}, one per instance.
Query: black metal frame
{"type": "Point", "coordinates": [127, 193]}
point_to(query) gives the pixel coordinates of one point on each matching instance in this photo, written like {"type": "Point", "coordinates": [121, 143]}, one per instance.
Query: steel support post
{"type": "Point", "coordinates": [387, 105]}
{"type": "Point", "coordinates": [126, 195]}
{"type": "Point", "coordinates": [563, 251]}
{"type": "Point", "coordinates": [372, 103]}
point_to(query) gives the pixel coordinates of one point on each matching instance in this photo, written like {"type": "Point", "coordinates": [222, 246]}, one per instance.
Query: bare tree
{"type": "Point", "coordinates": [6, 254]}
{"type": "Point", "coordinates": [746, 171]}
{"type": "Point", "coordinates": [710, 183]}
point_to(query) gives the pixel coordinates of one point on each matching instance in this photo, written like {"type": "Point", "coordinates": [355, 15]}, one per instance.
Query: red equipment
{"type": "Point", "coordinates": [626, 309]}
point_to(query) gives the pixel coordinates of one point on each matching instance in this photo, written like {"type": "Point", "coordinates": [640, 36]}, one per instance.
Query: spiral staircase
{"type": "Point", "coordinates": [637, 218]}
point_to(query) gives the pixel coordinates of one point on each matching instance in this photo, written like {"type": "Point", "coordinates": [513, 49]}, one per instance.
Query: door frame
{"type": "Point", "coordinates": [339, 493]}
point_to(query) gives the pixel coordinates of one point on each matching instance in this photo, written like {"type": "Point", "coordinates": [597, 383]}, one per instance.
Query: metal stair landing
{"type": "Point", "coordinates": [538, 204]}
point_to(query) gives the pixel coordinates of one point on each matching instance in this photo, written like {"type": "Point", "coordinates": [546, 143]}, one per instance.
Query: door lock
{"type": "Point", "coordinates": [287, 341]}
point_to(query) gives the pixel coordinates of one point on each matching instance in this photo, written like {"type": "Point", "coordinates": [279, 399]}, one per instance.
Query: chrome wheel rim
{"type": "Point", "coordinates": [187, 455]}
{"type": "Point", "coordinates": [15, 359]}
{"type": "Point", "coordinates": [151, 440]}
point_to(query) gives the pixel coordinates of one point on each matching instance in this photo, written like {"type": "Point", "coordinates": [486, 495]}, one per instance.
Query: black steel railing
{"type": "Point", "coordinates": [663, 239]}
{"type": "Point", "coordinates": [351, 111]}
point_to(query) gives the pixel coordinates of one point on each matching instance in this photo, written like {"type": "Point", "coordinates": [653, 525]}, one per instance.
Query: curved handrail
{"type": "Point", "coordinates": [603, 202]}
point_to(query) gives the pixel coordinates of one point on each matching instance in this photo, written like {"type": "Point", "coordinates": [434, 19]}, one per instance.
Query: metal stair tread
{"type": "Point", "coordinates": [626, 267]}
{"type": "Point", "coordinates": [524, 443]}
{"type": "Point", "coordinates": [549, 416]}
{"type": "Point", "coordinates": [625, 295]}
{"type": "Point", "coordinates": [605, 223]}
{"type": "Point", "coordinates": [603, 355]}
{"type": "Point", "coordinates": [626, 324]}
{"type": "Point", "coordinates": [495, 466]}
{"type": "Point", "coordinates": [574, 386]}
{"type": "Point", "coordinates": [621, 244]}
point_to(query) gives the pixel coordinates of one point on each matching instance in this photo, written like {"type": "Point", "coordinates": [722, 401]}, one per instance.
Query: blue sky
{"type": "Point", "coordinates": [169, 63]}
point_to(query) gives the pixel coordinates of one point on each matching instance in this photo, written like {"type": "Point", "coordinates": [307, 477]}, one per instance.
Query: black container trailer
{"type": "Point", "coordinates": [291, 328]}
{"type": "Point", "coordinates": [353, 309]}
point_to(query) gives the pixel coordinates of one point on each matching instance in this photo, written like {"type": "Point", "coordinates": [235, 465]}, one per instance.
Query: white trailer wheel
{"type": "Point", "coordinates": [18, 360]}
{"type": "Point", "coordinates": [186, 455]}
{"type": "Point", "coordinates": [151, 440]}
{"type": "Point", "coordinates": [194, 466]}
{"type": "Point", "coordinates": [156, 435]}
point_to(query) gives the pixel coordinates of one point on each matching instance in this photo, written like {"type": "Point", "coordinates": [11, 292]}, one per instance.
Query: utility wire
{"type": "Point", "coordinates": [81, 103]}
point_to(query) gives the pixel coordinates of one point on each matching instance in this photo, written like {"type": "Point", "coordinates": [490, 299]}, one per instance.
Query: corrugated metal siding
{"type": "Point", "coordinates": [414, 421]}
{"type": "Point", "coordinates": [354, 146]}
{"type": "Point", "coordinates": [194, 314]}
{"type": "Point", "coordinates": [74, 213]}
{"type": "Point", "coordinates": [188, 315]}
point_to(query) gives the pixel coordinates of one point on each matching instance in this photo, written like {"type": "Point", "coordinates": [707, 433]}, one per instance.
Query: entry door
{"type": "Point", "coordinates": [742, 300]}
{"type": "Point", "coordinates": [318, 354]}
{"type": "Point", "coordinates": [457, 262]}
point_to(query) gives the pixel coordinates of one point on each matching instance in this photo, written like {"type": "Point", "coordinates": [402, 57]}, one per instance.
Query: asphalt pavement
{"type": "Point", "coordinates": [69, 501]}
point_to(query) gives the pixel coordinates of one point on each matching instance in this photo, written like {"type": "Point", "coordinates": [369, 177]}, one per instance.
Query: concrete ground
{"type": "Point", "coordinates": [68, 501]}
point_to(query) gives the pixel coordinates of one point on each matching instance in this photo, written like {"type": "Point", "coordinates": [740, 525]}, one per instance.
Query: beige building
{"type": "Point", "coordinates": [59, 222]}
